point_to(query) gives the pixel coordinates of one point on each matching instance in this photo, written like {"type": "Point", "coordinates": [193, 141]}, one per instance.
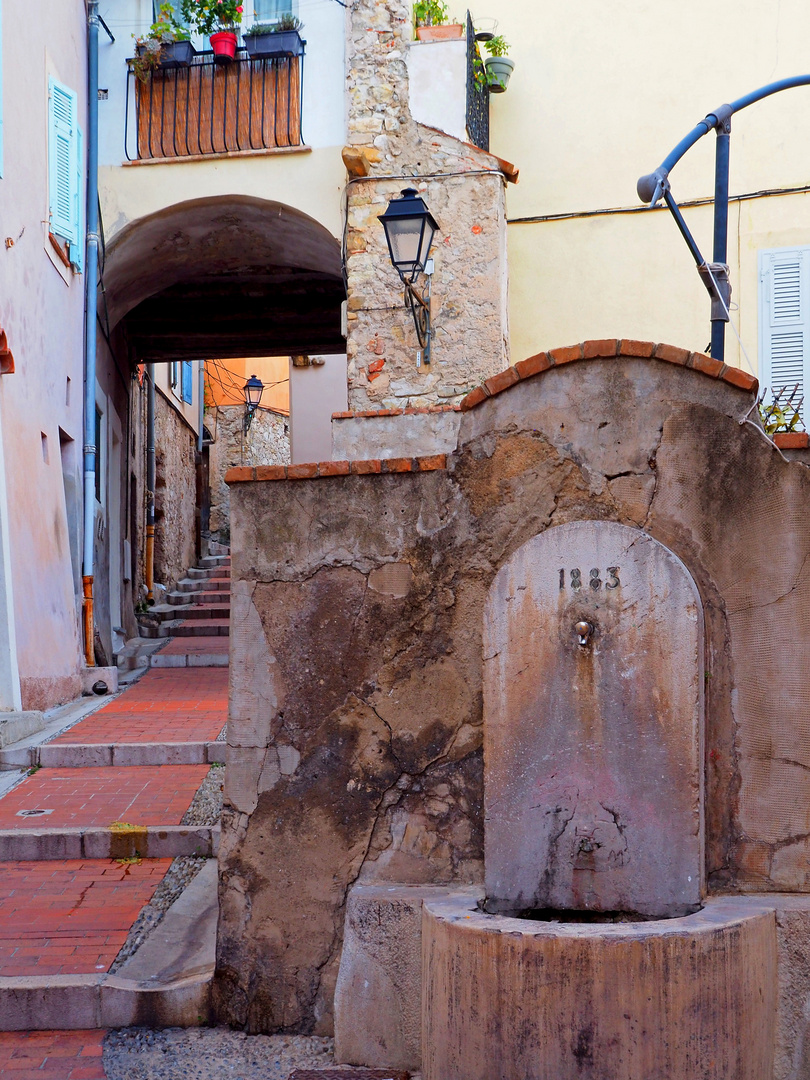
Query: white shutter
{"type": "Point", "coordinates": [63, 162]}
{"type": "Point", "coordinates": [784, 320]}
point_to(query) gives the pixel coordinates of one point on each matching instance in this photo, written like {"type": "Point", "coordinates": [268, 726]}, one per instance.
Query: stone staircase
{"type": "Point", "coordinates": [199, 606]}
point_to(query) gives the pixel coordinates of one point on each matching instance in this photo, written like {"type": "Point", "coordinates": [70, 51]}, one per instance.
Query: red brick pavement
{"type": "Point", "coordinates": [166, 705]}
{"type": "Point", "coordinates": [140, 795]}
{"type": "Point", "coordinates": [187, 646]}
{"type": "Point", "coordinates": [71, 916]}
{"type": "Point", "coordinates": [51, 1055]}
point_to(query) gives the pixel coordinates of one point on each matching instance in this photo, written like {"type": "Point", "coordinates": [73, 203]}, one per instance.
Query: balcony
{"type": "Point", "coordinates": [214, 108]}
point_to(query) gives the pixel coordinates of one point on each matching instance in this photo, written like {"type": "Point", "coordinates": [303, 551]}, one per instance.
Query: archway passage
{"type": "Point", "coordinates": [228, 276]}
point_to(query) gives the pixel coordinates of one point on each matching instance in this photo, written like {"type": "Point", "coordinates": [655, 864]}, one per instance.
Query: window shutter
{"type": "Point", "coordinates": [784, 320]}
{"type": "Point", "coordinates": [77, 249]}
{"type": "Point", "coordinates": [187, 382]}
{"type": "Point", "coordinates": [62, 162]}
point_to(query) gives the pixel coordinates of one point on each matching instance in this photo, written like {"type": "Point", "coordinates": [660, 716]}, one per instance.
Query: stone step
{"type": "Point", "coordinates": [148, 842]}
{"type": "Point", "coordinates": [91, 755]}
{"type": "Point", "coordinates": [198, 574]}
{"type": "Point", "coordinates": [167, 980]}
{"type": "Point", "coordinates": [215, 560]}
{"type": "Point", "coordinates": [190, 659]}
{"type": "Point", "coordinates": [188, 628]}
{"type": "Point", "coordinates": [211, 584]}
{"type": "Point", "coordinates": [197, 598]}
{"type": "Point", "coordinates": [163, 612]}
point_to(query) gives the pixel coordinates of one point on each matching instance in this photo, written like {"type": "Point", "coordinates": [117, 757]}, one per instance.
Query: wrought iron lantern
{"type": "Point", "coordinates": [253, 390]}
{"type": "Point", "coordinates": [409, 229]}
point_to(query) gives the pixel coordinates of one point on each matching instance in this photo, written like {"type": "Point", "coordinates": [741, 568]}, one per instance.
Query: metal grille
{"type": "Point", "coordinates": [210, 108]}
{"type": "Point", "coordinates": [477, 92]}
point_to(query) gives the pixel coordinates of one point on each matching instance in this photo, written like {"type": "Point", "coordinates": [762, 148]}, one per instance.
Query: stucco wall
{"type": "Point", "coordinates": [42, 312]}
{"type": "Point", "coordinates": [582, 141]}
{"type": "Point", "coordinates": [357, 647]}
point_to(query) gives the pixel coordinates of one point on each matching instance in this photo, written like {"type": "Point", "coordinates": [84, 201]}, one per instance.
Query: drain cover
{"type": "Point", "coordinates": [33, 813]}
{"type": "Point", "coordinates": [349, 1074]}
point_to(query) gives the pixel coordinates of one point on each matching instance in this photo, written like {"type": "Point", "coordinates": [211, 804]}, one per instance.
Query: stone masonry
{"type": "Point", "coordinates": [266, 443]}
{"type": "Point", "coordinates": [469, 303]}
{"type": "Point", "coordinates": [355, 729]}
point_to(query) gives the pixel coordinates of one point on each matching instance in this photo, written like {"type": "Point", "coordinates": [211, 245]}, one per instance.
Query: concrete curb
{"type": "Point", "coordinates": [72, 1002]}
{"type": "Point", "coordinates": [148, 841]}
{"type": "Point", "coordinates": [88, 755]}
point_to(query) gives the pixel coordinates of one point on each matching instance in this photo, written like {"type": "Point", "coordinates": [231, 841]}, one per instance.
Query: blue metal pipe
{"type": "Point", "coordinates": [91, 286]}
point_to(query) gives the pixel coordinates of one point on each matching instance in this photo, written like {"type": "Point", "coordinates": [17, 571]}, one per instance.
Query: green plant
{"type": "Point", "coordinates": [782, 414]}
{"type": "Point", "coordinates": [212, 16]}
{"type": "Point", "coordinates": [429, 13]}
{"type": "Point", "coordinates": [497, 46]}
{"type": "Point", "coordinates": [165, 30]}
{"type": "Point", "coordinates": [286, 22]}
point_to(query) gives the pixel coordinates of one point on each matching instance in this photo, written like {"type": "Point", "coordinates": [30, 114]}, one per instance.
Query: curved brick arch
{"type": "Point", "coordinates": [605, 349]}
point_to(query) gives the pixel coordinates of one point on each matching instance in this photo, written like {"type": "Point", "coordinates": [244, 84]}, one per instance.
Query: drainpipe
{"type": "Point", "coordinates": [150, 484]}
{"type": "Point", "coordinates": [201, 392]}
{"type": "Point", "coordinates": [91, 284]}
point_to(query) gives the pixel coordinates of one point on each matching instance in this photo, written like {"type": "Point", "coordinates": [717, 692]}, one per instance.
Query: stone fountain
{"type": "Point", "coordinates": [518, 781]}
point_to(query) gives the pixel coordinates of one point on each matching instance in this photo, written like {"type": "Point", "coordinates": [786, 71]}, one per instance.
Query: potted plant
{"type": "Point", "coordinates": [430, 17]}
{"type": "Point", "coordinates": [499, 66]}
{"type": "Point", "coordinates": [282, 38]}
{"type": "Point", "coordinates": [220, 20]}
{"type": "Point", "coordinates": [166, 45]}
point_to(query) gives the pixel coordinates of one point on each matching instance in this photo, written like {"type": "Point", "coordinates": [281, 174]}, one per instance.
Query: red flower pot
{"type": "Point", "coordinates": [224, 46]}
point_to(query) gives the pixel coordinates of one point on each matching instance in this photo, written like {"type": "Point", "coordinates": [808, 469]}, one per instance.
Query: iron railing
{"type": "Point", "coordinates": [477, 92]}
{"type": "Point", "coordinates": [214, 108]}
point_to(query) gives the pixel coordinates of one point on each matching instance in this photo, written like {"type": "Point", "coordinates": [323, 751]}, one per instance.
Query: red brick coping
{"type": "Point", "coordinates": [602, 350]}
{"type": "Point", "coordinates": [319, 469]}
{"type": "Point", "coordinates": [365, 414]}
{"type": "Point", "coordinates": [792, 440]}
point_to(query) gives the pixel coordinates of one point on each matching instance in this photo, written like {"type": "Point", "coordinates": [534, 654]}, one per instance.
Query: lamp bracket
{"type": "Point", "coordinates": [419, 306]}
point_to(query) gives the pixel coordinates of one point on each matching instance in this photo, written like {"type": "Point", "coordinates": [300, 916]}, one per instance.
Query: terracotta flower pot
{"type": "Point", "coordinates": [449, 32]}
{"type": "Point", "coordinates": [224, 45]}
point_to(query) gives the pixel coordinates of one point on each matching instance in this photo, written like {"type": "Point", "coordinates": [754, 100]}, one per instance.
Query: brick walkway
{"type": "Point", "coordinates": [51, 1055]}
{"type": "Point", "coordinates": [70, 916]}
{"type": "Point", "coordinates": [165, 705]}
{"type": "Point", "coordinates": [139, 795]}
{"type": "Point", "coordinates": [192, 646]}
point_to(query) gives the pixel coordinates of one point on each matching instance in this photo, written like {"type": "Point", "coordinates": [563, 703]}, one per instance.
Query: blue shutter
{"type": "Point", "coordinates": [62, 162]}
{"type": "Point", "coordinates": [77, 249]}
{"type": "Point", "coordinates": [188, 382]}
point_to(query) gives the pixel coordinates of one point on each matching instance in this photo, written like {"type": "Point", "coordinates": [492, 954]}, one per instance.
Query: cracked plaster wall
{"type": "Point", "coordinates": [356, 673]}
{"type": "Point", "coordinates": [469, 306]}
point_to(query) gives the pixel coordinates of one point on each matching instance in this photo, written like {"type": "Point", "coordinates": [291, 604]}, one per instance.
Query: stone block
{"type": "Point", "coordinates": [67, 756]}
{"type": "Point", "coordinates": [48, 1002]}
{"type": "Point", "coordinates": [671, 999]}
{"type": "Point", "coordinates": [92, 675]}
{"type": "Point", "coordinates": [593, 749]}
{"type": "Point", "coordinates": [378, 1019]}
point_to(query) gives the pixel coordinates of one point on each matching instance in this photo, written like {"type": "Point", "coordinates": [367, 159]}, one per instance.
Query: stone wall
{"type": "Point", "coordinates": [175, 493]}
{"type": "Point", "coordinates": [469, 303]}
{"type": "Point", "coordinates": [266, 443]}
{"type": "Point", "coordinates": [356, 682]}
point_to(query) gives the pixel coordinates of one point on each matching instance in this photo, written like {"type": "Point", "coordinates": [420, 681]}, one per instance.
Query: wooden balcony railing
{"type": "Point", "coordinates": [212, 108]}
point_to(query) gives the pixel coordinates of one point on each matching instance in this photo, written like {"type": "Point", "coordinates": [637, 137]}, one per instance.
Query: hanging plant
{"type": "Point", "coordinates": [153, 48]}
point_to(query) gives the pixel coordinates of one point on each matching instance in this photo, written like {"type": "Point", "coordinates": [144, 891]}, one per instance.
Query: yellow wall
{"type": "Point", "coordinates": [225, 379]}
{"type": "Point", "coordinates": [599, 96]}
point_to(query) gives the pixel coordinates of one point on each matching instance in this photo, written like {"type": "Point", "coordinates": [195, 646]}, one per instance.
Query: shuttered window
{"type": "Point", "coordinates": [65, 169]}
{"type": "Point", "coordinates": [784, 320]}
{"type": "Point", "coordinates": [188, 382]}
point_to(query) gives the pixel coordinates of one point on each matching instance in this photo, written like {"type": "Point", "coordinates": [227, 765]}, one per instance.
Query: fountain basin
{"type": "Point", "coordinates": [672, 999]}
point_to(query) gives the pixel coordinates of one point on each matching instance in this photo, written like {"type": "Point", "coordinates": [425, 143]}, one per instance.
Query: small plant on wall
{"type": "Point", "coordinates": [431, 20]}
{"type": "Point", "coordinates": [159, 46]}
{"type": "Point", "coordinates": [783, 413]}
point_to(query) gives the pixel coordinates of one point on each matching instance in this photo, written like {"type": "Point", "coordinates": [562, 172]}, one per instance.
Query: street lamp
{"type": "Point", "coordinates": [252, 389]}
{"type": "Point", "coordinates": [409, 229]}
